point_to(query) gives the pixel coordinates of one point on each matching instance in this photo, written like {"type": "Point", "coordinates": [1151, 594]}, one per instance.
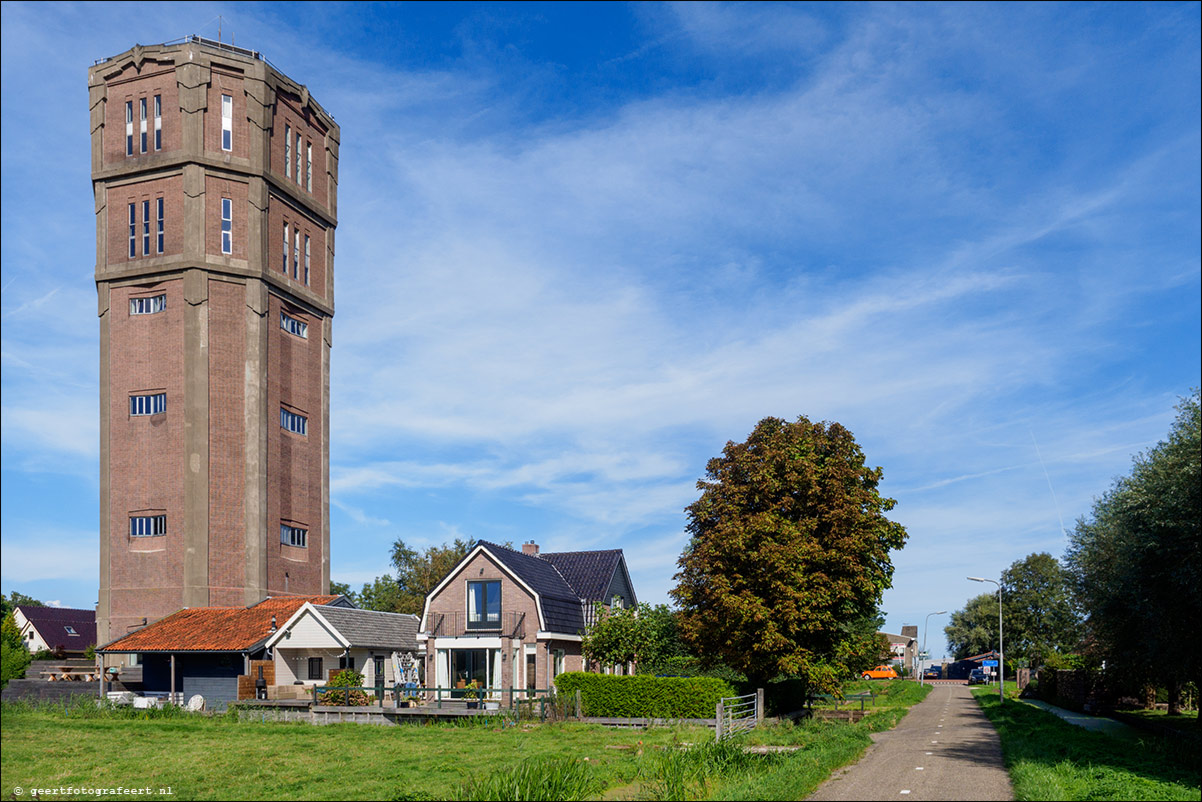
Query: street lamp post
{"type": "Point", "coordinates": [925, 623]}
{"type": "Point", "coordinates": [1001, 668]}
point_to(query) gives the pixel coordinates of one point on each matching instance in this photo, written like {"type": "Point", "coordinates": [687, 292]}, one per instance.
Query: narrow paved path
{"type": "Point", "coordinates": [944, 748]}
{"type": "Point", "coordinates": [1094, 723]}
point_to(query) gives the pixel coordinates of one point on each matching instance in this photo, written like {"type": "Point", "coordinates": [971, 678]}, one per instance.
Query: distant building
{"type": "Point", "coordinates": [902, 648]}
{"type": "Point", "coordinates": [215, 180]}
{"type": "Point", "coordinates": [56, 629]}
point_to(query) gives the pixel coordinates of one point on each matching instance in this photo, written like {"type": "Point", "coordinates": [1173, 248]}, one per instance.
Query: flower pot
{"type": "Point", "coordinates": [471, 705]}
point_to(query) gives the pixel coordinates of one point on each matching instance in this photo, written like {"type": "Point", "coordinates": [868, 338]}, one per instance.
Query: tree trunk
{"type": "Point", "coordinates": [1174, 697]}
{"type": "Point", "coordinates": [1150, 697]}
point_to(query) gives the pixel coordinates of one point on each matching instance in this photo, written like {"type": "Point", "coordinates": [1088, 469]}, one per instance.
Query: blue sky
{"type": "Point", "coordinates": [581, 247]}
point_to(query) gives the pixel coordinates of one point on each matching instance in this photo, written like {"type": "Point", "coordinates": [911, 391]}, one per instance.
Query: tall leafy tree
{"type": "Point", "coordinates": [15, 598]}
{"type": "Point", "coordinates": [1040, 616]}
{"type": "Point", "coordinates": [789, 547]}
{"type": "Point", "coordinates": [973, 630]}
{"type": "Point", "coordinates": [416, 574]}
{"type": "Point", "coordinates": [14, 657]}
{"type": "Point", "coordinates": [1137, 561]}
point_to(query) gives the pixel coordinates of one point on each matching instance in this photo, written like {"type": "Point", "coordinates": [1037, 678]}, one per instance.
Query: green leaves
{"type": "Point", "coordinates": [1137, 561]}
{"type": "Point", "coordinates": [789, 543]}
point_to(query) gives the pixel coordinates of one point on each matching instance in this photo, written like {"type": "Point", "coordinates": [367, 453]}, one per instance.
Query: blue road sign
{"type": "Point", "coordinates": [989, 662]}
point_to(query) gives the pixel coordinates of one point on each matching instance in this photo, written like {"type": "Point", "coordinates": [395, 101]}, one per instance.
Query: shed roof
{"type": "Point", "coordinates": [374, 630]}
{"type": "Point", "coordinates": [214, 629]}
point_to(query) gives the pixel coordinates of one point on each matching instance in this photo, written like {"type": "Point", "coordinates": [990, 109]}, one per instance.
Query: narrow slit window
{"type": "Point", "coordinates": [227, 225]}
{"type": "Point", "coordinates": [284, 264]}
{"type": "Point", "coordinates": [152, 404]}
{"type": "Point", "coordinates": [309, 166]}
{"type": "Point", "coordinates": [295, 253]}
{"type": "Point", "coordinates": [287, 151]}
{"type": "Point", "coordinates": [145, 228]}
{"type": "Point", "coordinates": [294, 536]}
{"type": "Point", "coordinates": [147, 525]}
{"type": "Point", "coordinates": [133, 230]}
{"type": "Point", "coordinates": [147, 306]}
{"type": "Point", "coordinates": [129, 128]}
{"type": "Point", "coordinates": [298, 157]}
{"type": "Point", "coordinates": [227, 122]}
{"type": "Point", "coordinates": [293, 422]}
{"type": "Point", "coordinates": [142, 121]}
{"type": "Point", "coordinates": [306, 260]}
{"type": "Point", "coordinates": [158, 122]}
{"type": "Point", "coordinates": [294, 326]}
{"type": "Point", "coordinates": [159, 213]}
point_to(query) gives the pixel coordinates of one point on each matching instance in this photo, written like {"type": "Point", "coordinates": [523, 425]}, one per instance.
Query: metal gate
{"type": "Point", "coordinates": [737, 714]}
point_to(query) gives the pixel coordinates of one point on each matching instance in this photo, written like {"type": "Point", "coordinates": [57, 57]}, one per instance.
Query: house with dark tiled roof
{"type": "Point", "coordinates": [514, 619]}
{"type": "Point", "coordinates": [203, 650]}
{"type": "Point", "coordinates": [319, 639]}
{"type": "Point", "coordinates": [62, 630]}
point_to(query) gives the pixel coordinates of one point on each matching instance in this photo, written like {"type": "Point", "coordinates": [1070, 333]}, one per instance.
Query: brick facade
{"type": "Point", "coordinates": [520, 630]}
{"type": "Point", "coordinates": [214, 463]}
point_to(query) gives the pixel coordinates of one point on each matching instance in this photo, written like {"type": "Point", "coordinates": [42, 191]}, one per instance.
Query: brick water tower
{"type": "Point", "coordinates": [215, 179]}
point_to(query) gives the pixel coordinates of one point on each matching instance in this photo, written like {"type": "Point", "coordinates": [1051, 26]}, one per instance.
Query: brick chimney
{"type": "Point", "coordinates": [530, 548]}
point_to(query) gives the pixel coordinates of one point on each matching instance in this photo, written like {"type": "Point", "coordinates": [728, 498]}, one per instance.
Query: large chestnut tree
{"type": "Point", "coordinates": [788, 555]}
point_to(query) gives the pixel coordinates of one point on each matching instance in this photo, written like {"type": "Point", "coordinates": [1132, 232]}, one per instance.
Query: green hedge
{"type": "Point", "coordinates": [643, 696]}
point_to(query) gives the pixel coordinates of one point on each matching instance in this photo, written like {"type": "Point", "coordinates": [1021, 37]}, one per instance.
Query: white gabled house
{"type": "Point", "coordinates": [318, 641]}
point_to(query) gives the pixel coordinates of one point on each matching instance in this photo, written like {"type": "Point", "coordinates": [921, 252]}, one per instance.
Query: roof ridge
{"type": "Point", "coordinates": [363, 610]}
{"type": "Point", "coordinates": [575, 597]}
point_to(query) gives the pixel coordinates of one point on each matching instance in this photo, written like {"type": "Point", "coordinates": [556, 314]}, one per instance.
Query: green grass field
{"type": "Point", "coordinates": [218, 758]}
{"type": "Point", "coordinates": [1050, 759]}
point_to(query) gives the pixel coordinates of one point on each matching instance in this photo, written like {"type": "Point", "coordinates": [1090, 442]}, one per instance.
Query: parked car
{"type": "Point", "coordinates": [880, 672]}
{"type": "Point", "coordinates": [932, 673]}
{"type": "Point", "coordinates": [976, 676]}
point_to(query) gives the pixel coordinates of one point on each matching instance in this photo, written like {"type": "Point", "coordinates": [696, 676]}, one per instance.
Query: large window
{"type": "Point", "coordinates": [145, 227]}
{"type": "Point", "coordinates": [159, 201]}
{"type": "Point", "coordinates": [315, 669]}
{"type": "Point", "coordinates": [293, 422]}
{"type": "Point", "coordinates": [227, 122]}
{"type": "Point", "coordinates": [294, 536]}
{"type": "Point", "coordinates": [147, 306]}
{"type": "Point", "coordinates": [298, 157]}
{"type": "Point", "coordinates": [306, 260]}
{"type": "Point", "coordinates": [294, 326]}
{"type": "Point", "coordinates": [151, 404]}
{"type": "Point", "coordinates": [133, 230]}
{"type": "Point", "coordinates": [227, 225]}
{"type": "Point", "coordinates": [309, 166]}
{"type": "Point", "coordinates": [158, 122]}
{"type": "Point", "coordinates": [129, 128]}
{"type": "Point", "coordinates": [288, 151]}
{"type": "Point", "coordinates": [142, 122]}
{"type": "Point", "coordinates": [147, 525]}
{"type": "Point", "coordinates": [484, 604]}
{"type": "Point", "coordinates": [284, 266]}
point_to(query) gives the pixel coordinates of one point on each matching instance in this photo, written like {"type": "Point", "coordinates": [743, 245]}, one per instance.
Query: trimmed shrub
{"type": "Point", "coordinates": [641, 696]}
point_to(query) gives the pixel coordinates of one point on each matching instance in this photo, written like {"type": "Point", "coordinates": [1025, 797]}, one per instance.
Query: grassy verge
{"type": "Point", "coordinates": [1187, 723]}
{"type": "Point", "coordinates": [1051, 759]}
{"type": "Point", "coordinates": [194, 757]}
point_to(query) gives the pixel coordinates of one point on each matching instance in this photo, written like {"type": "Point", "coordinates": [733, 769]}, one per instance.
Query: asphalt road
{"type": "Point", "coordinates": [944, 748]}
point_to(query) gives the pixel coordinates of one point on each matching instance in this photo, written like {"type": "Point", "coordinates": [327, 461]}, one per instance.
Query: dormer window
{"type": "Point", "coordinates": [484, 604]}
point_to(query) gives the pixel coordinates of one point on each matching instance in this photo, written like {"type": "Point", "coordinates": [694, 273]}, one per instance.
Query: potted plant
{"type": "Point", "coordinates": [472, 695]}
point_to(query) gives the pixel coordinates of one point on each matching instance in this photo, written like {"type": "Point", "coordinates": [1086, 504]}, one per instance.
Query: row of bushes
{"type": "Point", "coordinates": [643, 696]}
